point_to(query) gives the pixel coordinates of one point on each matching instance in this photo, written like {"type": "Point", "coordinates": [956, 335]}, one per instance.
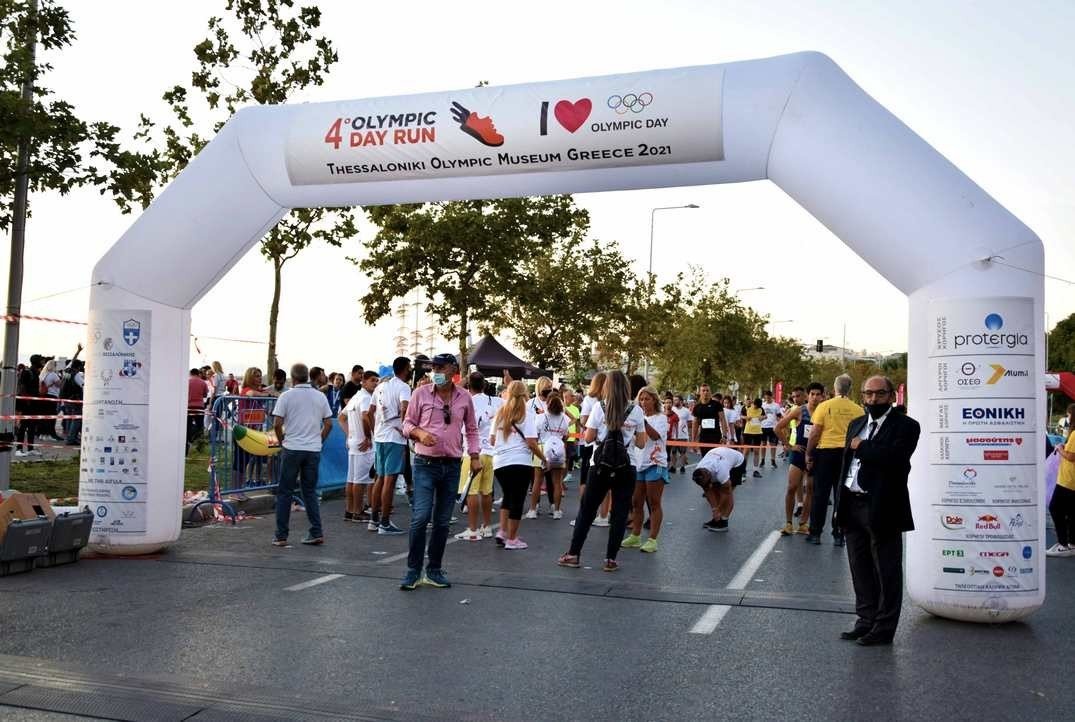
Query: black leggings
{"type": "Point", "coordinates": [585, 455]}
{"type": "Point", "coordinates": [602, 480]}
{"type": "Point", "coordinates": [515, 481]}
{"type": "Point", "coordinates": [1062, 509]}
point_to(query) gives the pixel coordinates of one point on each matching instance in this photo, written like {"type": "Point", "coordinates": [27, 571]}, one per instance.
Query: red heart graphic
{"type": "Point", "coordinates": [573, 115]}
{"type": "Point", "coordinates": [1019, 441]}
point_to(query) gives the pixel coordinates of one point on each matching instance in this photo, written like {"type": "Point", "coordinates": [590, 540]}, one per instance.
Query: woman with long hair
{"type": "Point", "coordinates": [593, 396]}
{"type": "Point", "coordinates": [515, 443]}
{"type": "Point", "coordinates": [617, 425]}
{"type": "Point", "coordinates": [552, 429]}
{"type": "Point", "coordinates": [652, 473]}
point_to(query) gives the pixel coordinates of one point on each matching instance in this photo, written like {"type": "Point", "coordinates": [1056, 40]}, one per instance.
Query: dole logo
{"type": "Point", "coordinates": [952, 521]}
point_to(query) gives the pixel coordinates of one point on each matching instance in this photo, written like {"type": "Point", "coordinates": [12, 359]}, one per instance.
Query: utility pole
{"type": "Point", "coordinates": [18, 240]}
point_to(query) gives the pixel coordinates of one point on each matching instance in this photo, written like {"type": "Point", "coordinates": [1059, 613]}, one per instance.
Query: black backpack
{"type": "Point", "coordinates": [70, 389]}
{"type": "Point", "coordinates": [611, 453]}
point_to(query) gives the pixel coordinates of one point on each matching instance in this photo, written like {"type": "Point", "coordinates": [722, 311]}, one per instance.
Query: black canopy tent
{"type": "Point", "coordinates": [492, 359]}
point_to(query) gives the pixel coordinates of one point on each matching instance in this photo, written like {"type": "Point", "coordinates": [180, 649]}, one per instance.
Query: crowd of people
{"type": "Point", "coordinates": [45, 388]}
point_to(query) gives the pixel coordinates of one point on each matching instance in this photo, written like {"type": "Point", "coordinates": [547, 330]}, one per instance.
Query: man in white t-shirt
{"type": "Point", "coordinates": [389, 445]}
{"type": "Point", "coordinates": [480, 494]}
{"type": "Point", "coordinates": [357, 424]}
{"type": "Point", "coordinates": [683, 433]}
{"type": "Point", "coordinates": [771, 413]}
{"type": "Point", "coordinates": [302, 422]}
{"type": "Point", "coordinates": [718, 473]}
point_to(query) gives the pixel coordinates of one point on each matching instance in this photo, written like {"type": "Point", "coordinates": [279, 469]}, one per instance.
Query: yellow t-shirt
{"type": "Point", "coordinates": [1066, 476]}
{"type": "Point", "coordinates": [573, 414]}
{"type": "Point", "coordinates": [834, 416]}
{"type": "Point", "coordinates": [754, 415]}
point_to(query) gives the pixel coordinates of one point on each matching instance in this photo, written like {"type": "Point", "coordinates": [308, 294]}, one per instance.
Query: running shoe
{"type": "Point", "coordinates": [485, 531]}
{"type": "Point", "coordinates": [530, 515]}
{"type": "Point", "coordinates": [313, 540]}
{"type": "Point", "coordinates": [469, 535]}
{"type": "Point", "coordinates": [500, 537]}
{"type": "Point", "coordinates": [372, 525]}
{"type": "Point", "coordinates": [601, 521]}
{"type": "Point", "coordinates": [410, 580]}
{"type": "Point", "coordinates": [710, 525]}
{"type": "Point", "coordinates": [631, 541]}
{"type": "Point", "coordinates": [650, 546]}
{"type": "Point", "coordinates": [280, 543]}
{"type": "Point", "coordinates": [513, 544]}
{"type": "Point", "coordinates": [19, 453]}
{"type": "Point", "coordinates": [568, 560]}
{"type": "Point", "coordinates": [389, 529]}
{"type": "Point", "coordinates": [348, 516]}
{"type": "Point", "coordinates": [610, 565]}
{"type": "Point", "coordinates": [557, 514]}
{"type": "Point", "coordinates": [721, 525]}
{"type": "Point", "coordinates": [787, 530]}
{"type": "Point", "coordinates": [773, 462]}
{"type": "Point", "coordinates": [1059, 550]}
{"type": "Point", "coordinates": [436, 578]}
{"type": "Point", "coordinates": [757, 474]}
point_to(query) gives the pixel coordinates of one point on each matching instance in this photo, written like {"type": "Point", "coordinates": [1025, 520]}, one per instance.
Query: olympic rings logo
{"type": "Point", "coordinates": [633, 102]}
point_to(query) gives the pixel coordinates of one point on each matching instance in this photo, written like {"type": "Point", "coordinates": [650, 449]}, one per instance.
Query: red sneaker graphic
{"type": "Point", "coordinates": [478, 126]}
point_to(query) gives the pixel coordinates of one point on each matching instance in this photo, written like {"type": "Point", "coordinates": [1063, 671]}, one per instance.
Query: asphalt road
{"type": "Point", "coordinates": [210, 631]}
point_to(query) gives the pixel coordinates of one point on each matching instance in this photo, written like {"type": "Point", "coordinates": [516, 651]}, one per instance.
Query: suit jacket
{"type": "Point", "coordinates": [885, 463]}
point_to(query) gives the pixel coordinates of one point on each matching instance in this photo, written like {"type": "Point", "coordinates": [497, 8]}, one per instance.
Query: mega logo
{"type": "Point", "coordinates": [994, 555]}
{"type": "Point", "coordinates": [988, 522]}
{"type": "Point", "coordinates": [992, 338]}
{"type": "Point", "coordinates": [952, 521]}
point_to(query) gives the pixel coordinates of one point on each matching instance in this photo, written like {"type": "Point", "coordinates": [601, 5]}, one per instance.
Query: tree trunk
{"type": "Point", "coordinates": [463, 344]}
{"type": "Point", "coordinates": [274, 312]}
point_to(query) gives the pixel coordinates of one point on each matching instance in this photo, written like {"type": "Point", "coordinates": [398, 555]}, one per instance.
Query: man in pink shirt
{"type": "Point", "coordinates": [197, 390]}
{"type": "Point", "coordinates": [438, 415]}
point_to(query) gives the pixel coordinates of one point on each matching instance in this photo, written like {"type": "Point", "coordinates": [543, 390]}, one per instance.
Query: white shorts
{"type": "Point", "coordinates": [358, 468]}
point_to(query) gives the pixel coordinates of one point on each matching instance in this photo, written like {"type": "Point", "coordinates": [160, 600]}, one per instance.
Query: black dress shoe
{"type": "Point", "coordinates": [856, 633]}
{"type": "Point", "coordinates": [812, 539]}
{"type": "Point", "coordinates": [873, 639]}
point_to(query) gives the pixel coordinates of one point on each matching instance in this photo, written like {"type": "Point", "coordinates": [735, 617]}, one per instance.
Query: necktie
{"type": "Point", "coordinates": [873, 430]}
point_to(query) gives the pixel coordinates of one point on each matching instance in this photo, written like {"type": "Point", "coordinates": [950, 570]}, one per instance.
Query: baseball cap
{"type": "Point", "coordinates": [444, 359]}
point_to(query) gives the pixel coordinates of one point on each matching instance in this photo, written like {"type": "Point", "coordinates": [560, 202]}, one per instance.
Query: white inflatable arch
{"type": "Point", "coordinates": [976, 329]}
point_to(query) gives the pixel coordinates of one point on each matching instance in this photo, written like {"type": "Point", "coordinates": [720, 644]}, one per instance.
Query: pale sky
{"type": "Point", "coordinates": [988, 84]}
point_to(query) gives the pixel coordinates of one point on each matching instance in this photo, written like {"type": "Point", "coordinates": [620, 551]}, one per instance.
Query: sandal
{"type": "Point", "coordinates": [611, 565]}
{"type": "Point", "coordinates": [568, 560]}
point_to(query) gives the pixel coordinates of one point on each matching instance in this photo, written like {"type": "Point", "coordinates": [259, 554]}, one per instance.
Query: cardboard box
{"type": "Point", "coordinates": [23, 506]}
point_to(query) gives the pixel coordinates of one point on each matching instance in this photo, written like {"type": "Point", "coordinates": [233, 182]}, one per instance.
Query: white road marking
{"type": "Point", "coordinates": [751, 566]}
{"type": "Point", "coordinates": [709, 621]}
{"type": "Point", "coordinates": [312, 583]}
{"type": "Point", "coordinates": [712, 616]}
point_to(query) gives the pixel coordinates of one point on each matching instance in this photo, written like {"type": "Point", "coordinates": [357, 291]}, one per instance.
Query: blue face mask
{"type": "Point", "coordinates": [439, 379]}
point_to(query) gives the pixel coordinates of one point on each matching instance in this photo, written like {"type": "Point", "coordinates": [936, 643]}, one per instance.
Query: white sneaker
{"type": "Point", "coordinates": [530, 515]}
{"type": "Point", "coordinates": [19, 453]}
{"type": "Point", "coordinates": [557, 514]}
{"type": "Point", "coordinates": [469, 535]}
{"type": "Point", "coordinates": [34, 452]}
{"type": "Point", "coordinates": [601, 521]}
{"type": "Point", "coordinates": [1059, 550]}
{"type": "Point", "coordinates": [485, 531]}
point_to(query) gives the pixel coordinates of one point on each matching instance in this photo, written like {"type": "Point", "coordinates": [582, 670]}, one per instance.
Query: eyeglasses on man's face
{"type": "Point", "coordinates": [874, 393]}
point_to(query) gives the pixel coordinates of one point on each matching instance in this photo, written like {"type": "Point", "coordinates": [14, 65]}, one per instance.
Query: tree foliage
{"type": "Point", "coordinates": [263, 52]}
{"type": "Point", "coordinates": [472, 257]}
{"type": "Point", "coordinates": [1062, 345]}
{"type": "Point", "coordinates": [66, 151]}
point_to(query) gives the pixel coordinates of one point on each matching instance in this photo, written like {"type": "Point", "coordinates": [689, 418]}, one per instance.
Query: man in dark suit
{"type": "Point", "coordinates": [874, 510]}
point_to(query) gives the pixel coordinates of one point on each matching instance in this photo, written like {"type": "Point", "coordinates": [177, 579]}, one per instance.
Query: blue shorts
{"type": "Point", "coordinates": [653, 474]}
{"type": "Point", "coordinates": [388, 458]}
{"type": "Point", "coordinates": [797, 459]}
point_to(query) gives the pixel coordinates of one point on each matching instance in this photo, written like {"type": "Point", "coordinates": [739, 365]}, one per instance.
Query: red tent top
{"type": "Point", "coordinates": [1063, 381]}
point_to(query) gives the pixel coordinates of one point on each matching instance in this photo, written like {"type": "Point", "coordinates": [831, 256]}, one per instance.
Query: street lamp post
{"type": "Point", "coordinates": [649, 267]}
